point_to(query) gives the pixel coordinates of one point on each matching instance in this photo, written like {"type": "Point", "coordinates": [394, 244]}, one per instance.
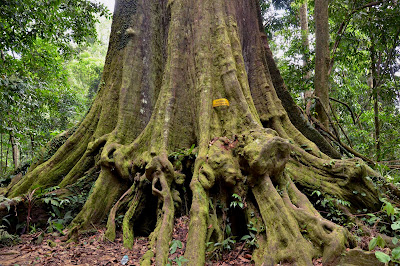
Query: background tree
{"type": "Point", "coordinates": [167, 62]}
{"type": "Point", "coordinates": [321, 78]}
{"type": "Point", "coordinates": [351, 24]}
{"type": "Point", "coordinates": [36, 99]}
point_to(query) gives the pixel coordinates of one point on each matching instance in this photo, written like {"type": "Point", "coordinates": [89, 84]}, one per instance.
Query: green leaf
{"type": "Point", "coordinates": [173, 248]}
{"type": "Point", "coordinates": [380, 242]}
{"type": "Point", "coordinates": [388, 207]}
{"type": "Point", "coordinates": [372, 244]}
{"type": "Point", "coordinates": [316, 192]}
{"type": "Point", "coordinates": [395, 225]}
{"type": "Point", "coordinates": [245, 237]}
{"type": "Point", "coordinates": [209, 243]}
{"type": "Point", "coordinates": [395, 240]}
{"type": "Point", "coordinates": [382, 257]}
{"type": "Point", "coordinates": [236, 196]}
{"type": "Point", "coordinates": [59, 227]}
{"type": "Point", "coordinates": [396, 253]}
{"type": "Point", "coordinates": [228, 229]}
{"type": "Point", "coordinates": [179, 244]}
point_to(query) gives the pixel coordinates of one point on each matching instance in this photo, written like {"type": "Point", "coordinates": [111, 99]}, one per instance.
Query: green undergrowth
{"type": "Point", "coordinates": [381, 228]}
{"type": "Point", "coordinates": [216, 250]}
{"type": "Point", "coordinates": [7, 239]}
{"type": "Point", "coordinates": [58, 207]}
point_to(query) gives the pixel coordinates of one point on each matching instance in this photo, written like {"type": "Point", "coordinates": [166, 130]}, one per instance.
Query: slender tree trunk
{"type": "Point", "coordinates": [15, 150]}
{"type": "Point", "coordinates": [32, 138]}
{"type": "Point", "coordinates": [375, 96]}
{"type": "Point", "coordinates": [8, 149]}
{"type": "Point", "coordinates": [321, 80]}
{"type": "Point", "coordinates": [303, 16]}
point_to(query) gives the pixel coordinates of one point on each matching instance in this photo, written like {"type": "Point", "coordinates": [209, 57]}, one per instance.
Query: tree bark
{"type": "Point", "coordinates": [321, 80]}
{"type": "Point", "coordinates": [167, 62]}
{"type": "Point", "coordinates": [15, 150]}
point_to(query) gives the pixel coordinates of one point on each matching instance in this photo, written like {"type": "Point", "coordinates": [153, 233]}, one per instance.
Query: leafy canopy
{"type": "Point", "coordinates": [59, 22]}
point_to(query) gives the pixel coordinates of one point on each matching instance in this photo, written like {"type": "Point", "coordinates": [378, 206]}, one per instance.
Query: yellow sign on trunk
{"type": "Point", "coordinates": [220, 102]}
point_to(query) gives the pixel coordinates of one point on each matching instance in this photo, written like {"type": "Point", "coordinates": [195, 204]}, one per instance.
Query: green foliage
{"type": "Point", "coordinates": [382, 257]}
{"type": "Point", "coordinates": [363, 28]}
{"type": "Point", "coordinates": [236, 202]}
{"type": "Point", "coordinates": [227, 244]}
{"type": "Point", "coordinates": [178, 260]}
{"type": "Point", "coordinates": [329, 204]}
{"type": "Point", "coordinates": [22, 22]}
{"type": "Point", "coordinates": [251, 238]}
{"type": "Point", "coordinates": [38, 99]}
{"type": "Point", "coordinates": [388, 215]}
{"type": "Point", "coordinates": [396, 253]}
{"type": "Point", "coordinates": [175, 244]}
{"type": "Point", "coordinates": [178, 156]}
{"type": "Point", "coordinates": [376, 241]}
{"type": "Point", "coordinates": [61, 210]}
{"type": "Point", "coordinates": [7, 239]}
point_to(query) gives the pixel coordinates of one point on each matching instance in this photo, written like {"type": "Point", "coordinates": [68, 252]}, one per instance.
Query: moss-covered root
{"type": "Point", "coordinates": [161, 174]}
{"type": "Point", "coordinates": [110, 232]}
{"type": "Point", "coordinates": [284, 242]}
{"type": "Point", "coordinates": [107, 189]}
{"type": "Point", "coordinates": [196, 242]}
{"type": "Point", "coordinates": [326, 236]}
{"type": "Point", "coordinates": [335, 177]}
{"type": "Point", "coordinates": [127, 223]}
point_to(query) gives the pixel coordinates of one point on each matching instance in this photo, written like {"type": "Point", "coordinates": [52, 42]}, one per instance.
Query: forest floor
{"type": "Point", "coordinates": [93, 249]}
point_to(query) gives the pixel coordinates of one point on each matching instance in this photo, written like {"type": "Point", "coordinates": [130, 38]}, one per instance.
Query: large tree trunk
{"type": "Point", "coordinates": [167, 61]}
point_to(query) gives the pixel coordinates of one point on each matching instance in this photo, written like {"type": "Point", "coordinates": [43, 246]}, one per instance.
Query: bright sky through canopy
{"type": "Point", "coordinates": [108, 3]}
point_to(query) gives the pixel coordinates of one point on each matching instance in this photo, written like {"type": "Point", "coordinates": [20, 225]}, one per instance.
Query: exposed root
{"type": "Point", "coordinates": [326, 236]}
{"type": "Point", "coordinates": [110, 232]}
{"type": "Point", "coordinates": [97, 205]}
{"type": "Point", "coordinates": [196, 243]}
{"type": "Point", "coordinates": [335, 177]}
{"type": "Point", "coordinates": [284, 242]}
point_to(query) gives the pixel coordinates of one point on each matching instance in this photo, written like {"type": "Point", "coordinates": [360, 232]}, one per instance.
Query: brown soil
{"type": "Point", "coordinates": [93, 249]}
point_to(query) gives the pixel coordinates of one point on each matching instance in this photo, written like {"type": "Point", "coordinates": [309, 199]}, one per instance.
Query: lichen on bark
{"type": "Point", "coordinates": [167, 61]}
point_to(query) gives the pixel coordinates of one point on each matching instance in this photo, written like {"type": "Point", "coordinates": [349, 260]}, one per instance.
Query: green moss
{"type": "Point", "coordinates": [127, 226]}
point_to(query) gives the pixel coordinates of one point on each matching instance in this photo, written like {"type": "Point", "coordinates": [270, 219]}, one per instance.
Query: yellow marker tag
{"type": "Point", "coordinates": [220, 102]}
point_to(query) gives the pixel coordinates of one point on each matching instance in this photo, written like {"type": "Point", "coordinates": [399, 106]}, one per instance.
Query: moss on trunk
{"type": "Point", "coordinates": [167, 62]}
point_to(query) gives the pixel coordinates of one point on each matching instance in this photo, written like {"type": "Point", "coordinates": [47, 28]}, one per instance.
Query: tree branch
{"type": "Point", "coordinates": [344, 146]}
{"type": "Point", "coordinates": [348, 107]}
